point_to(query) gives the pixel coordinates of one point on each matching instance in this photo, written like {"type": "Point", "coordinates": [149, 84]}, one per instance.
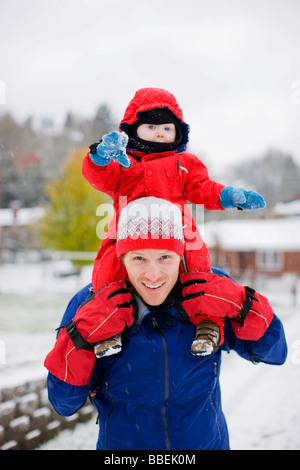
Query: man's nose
{"type": "Point", "coordinates": [153, 273]}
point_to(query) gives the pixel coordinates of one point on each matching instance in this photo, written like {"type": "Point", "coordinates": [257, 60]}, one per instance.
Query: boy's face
{"type": "Point", "coordinates": [157, 132]}
{"type": "Point", "coordinates": [153, 273]}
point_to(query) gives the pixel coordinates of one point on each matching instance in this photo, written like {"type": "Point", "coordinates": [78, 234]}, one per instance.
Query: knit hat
{"type": "Point", "coordinates": [154, 116]}
{"type": "Point", "coordinates": [150, 222]}
{"type": "Point", "coordinates": [157, 116]}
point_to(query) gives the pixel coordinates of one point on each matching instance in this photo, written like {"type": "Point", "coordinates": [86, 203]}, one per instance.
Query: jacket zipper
{"type": "Point", "coordinates": [108, 395]}
{"type": "Point", "coordinates": [211, 400]}
{"type": "Point", "coordinates": [166, 385]}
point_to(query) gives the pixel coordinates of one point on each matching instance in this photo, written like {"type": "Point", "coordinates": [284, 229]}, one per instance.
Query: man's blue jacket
{"type": "Point", "coordinates": [154, 394]}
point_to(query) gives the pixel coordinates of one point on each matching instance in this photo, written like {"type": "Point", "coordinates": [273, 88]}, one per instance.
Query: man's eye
{"type": "Point", "coordinates": [165, 257]}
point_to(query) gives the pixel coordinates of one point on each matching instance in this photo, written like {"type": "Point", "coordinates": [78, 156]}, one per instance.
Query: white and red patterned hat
{"type": "Point", "coordinates": [150, 222]}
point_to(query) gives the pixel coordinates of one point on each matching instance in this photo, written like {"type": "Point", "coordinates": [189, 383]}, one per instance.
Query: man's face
{"type": "Point", "coordinates": [153, 273]}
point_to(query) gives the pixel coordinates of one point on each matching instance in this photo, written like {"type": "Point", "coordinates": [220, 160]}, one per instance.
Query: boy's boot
{"type": "Point", "coordinates": [109, 346]}
{"type": "Point", "coordinates": [207, 339]}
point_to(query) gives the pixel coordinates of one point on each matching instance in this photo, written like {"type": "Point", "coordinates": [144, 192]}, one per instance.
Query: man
{"type": "Point", "coordinates": [154, 393]}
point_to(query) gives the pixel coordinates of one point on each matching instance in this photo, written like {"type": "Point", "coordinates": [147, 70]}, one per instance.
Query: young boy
{"type": "Point", "coordinates": [148, 158]}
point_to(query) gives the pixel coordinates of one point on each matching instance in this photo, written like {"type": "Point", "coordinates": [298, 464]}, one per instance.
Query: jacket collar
{"type": "Point", "coordinates": [150, 156]}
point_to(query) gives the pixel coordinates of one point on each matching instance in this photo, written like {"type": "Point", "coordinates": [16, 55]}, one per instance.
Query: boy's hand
{"type": "Point", "coordinates": [231, 198]}
{"type": "Point", "coordinates": [112, 147]}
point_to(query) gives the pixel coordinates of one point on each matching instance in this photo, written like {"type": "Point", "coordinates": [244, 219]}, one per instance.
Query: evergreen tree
{"type": "Point", "coordinates": [275, 175]}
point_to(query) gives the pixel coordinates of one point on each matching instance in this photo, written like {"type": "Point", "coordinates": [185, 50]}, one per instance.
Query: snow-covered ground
{"type": "Point", "coordinates": [261, 402]}
{"type": "Point", "coordinates": [33, 298]}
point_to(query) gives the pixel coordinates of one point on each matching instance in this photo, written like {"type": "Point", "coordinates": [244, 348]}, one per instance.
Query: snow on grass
{"type": "Point", "coordinates": [32, 302]}
{"type": "Point", "coordinates": [261, 402]}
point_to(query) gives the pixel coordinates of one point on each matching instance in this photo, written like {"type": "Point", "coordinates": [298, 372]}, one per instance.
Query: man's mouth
{"type": "Point", "coordinates": [153, 286]}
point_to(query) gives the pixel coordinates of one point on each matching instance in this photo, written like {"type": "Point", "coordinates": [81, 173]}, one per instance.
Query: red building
{"type": "Point", "coordinates": [255, 246]}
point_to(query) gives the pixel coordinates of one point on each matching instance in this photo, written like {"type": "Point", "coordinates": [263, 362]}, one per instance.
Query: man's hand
{"type": "Point", "coordinates": [209, 294]}
{"type": "Point", "coordinates": [101, 316]}
{"type": "Point", "coordinates": [112, 147]}
{"type": "Point", "coordinates": [213, 295]}
{"type": "Point", "coordinates": [107, 312]}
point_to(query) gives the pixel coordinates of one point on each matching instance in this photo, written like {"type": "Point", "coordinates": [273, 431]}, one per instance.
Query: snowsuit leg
{"type": "Point", "coordinates": [198, 259]}
{"type": "Point", "coordinates": [107, 266]}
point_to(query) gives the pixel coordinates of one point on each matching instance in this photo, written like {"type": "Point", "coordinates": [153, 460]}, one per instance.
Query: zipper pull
{"type": "Point", "coordinates": [181, 167]}
{"type": "Point", "coordinates": [155, 325]}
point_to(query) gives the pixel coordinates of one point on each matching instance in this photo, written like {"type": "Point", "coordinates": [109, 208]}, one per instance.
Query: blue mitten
{"type": "Point", "coordinates": [112, 147]}
{"type": "Point", "coordinates": [231, 198]}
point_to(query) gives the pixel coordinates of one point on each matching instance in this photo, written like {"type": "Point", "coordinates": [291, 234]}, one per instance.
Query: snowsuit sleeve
{"type": "Point", "coordinates": [199, 188]}
{"type": "Point", "coordinates": [103, 178]}
{"type": "Point", "coordinates": [271, 348]}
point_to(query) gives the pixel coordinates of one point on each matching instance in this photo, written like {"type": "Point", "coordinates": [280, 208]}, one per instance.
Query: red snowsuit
{"type": "Point", "coordinates": [176, 176]}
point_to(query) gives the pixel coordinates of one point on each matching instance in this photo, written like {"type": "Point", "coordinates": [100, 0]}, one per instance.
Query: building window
{"type": "Point", "coordinates": [269, 260]}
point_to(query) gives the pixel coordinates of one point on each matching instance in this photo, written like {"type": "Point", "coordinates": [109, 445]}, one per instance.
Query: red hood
{"type": "Point", "coordinates": [150, 98]}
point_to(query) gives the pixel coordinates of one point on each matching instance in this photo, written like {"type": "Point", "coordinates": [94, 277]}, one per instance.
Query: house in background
{"type": "Point", "coordinates": [287, 209]}
{"type": "Point", "coordinates": [250, 247]}
{"type": "Point", "coordinates": [18, 229]}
